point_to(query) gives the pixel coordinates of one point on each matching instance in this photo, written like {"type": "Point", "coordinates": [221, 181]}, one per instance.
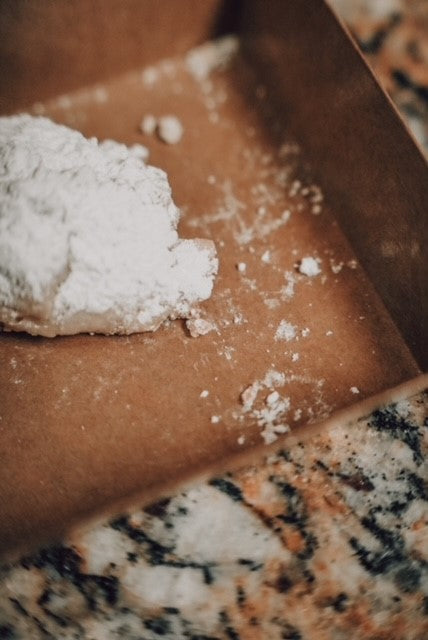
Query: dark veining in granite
{"type": "Point", "coordinates": [313, 543]}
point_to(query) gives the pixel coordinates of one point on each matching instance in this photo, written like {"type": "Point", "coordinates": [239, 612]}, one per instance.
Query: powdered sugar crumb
{"type": "Point", "coordinates": [169, 129]}
{"type": "Point", "coordinates": [210, 56]}
{"type": "Point", "coordinates": [273, 378]}
{"type": "Point", "coordinates": [150, 76]}
{"type": "Point", "coordinates": [148, 124]}
{"type": "Point", "coordinates": [297, 415]}
{"type": "Point", "coordinates": [336, 267]}
{"type": "Point", "coordinates": [271, 303]}
{"type": "Point", "coordinates": [266, 257]}
{"type": "Point", "coordinates": [271, 415]}
{"type": "Point", "coordinates": [287, 292]}
{"type": "Point", "coordinates": [249, 395]}
{"type": "Point", "coordinates": [285, 331]}
{"type": "Point", "coordinates": [199, 327]}
{"type": "Point", "coordinates": [309, 266]}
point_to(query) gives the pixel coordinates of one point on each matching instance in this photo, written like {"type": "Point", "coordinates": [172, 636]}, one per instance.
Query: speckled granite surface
{"type": "Point", "coordinates": [326, 541]}
{"type": "Point", "coordinates": [393, 35]}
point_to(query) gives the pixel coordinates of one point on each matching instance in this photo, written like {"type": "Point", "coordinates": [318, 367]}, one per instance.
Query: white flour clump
{"type": "Point", "coordinates": [88, 236]}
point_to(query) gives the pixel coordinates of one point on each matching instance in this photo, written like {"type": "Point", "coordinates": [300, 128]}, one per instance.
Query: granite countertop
{"type": "Point", "coordinates": [326, 541]}
{"type": "Point", "coordinates": [393, 35]}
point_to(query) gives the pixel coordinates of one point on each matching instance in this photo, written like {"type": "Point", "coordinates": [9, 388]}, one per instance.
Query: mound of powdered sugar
{"type": "Point", "coordinates": [88, 236]}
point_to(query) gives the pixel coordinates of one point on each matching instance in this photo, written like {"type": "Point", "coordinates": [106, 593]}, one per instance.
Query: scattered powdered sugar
{"type": "Point", "coordinates": [273, 379]}
{"type": "Point", "coordinates": [336, 267]}
{"type": "Point", "coordinates": [270, 416]}
{"type": "Point", "coordinates": [88, 236]}
{"type": "Point", "coordinates": [309, 266]}
{"type": "Point", "coordinates": [169, 129]}
{"type": "Point", "coordinates": [354, 390]}
{"type": "Point", "coordinates": [272, 398]}
{"type": "Point", "coordinates": [148, 124]}
{"type": "Point", "coordinates": [287, 292]}
{"type": "Point", "coordinates": [199, 327]}
{"type": "Point", "coordinates": [215, 419]}
{"type": "Point", "coordinates": [271, 303]}
{"type": "Point", "coordinates": [211, 56]}
{"type": "Point", "coordinates": [204, 394]}
{"type": "Point", "coordinates": [266, 257]}
{"type": "Point", "coordinates": [285, 331]}
{"type": "Point", "coordinates": [150, 76]}
{"type": "Point", "coordinates": [249, 395]}
{"type": "Point", "coordinates": [297, 414]}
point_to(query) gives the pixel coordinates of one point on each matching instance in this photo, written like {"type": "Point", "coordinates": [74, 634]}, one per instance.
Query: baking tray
{"type": "Point", "coordinates": [90, 423]}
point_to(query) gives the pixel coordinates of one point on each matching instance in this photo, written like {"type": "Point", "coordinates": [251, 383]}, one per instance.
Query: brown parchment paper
{"type": "Point", "coordinates": [87, 421]}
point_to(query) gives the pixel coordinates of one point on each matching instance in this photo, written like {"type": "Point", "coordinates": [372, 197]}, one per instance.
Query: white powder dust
{"type": "Point", "coordinates": [309, 266]}
{"type": "Point", "coordinates": [287, 292]}
{"type": "Point", "coordinates": [285, 331]}
{"type": "Point", "coordinates": [266, 257]}
{"type": "Point", "coordinates": [273, 379]}
{"type": "Point", "coordinates": [270, 417]}
{"type": "Point", "coordinates": [88, 236]}
{"type": "Point", "coordinates": [210, 56]}
{"type": "Point", "coordinates": [249, 395]}
{"type": "Point", "coordinates": [199, 327]}
{"type": "Point", "coordinates": [169, 129]}
{"type": "Point", "coordinates": [148, 124]}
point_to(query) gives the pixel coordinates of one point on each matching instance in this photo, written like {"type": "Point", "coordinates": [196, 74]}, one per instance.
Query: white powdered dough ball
{"type": "Point", "coordinates": [88, 236]}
